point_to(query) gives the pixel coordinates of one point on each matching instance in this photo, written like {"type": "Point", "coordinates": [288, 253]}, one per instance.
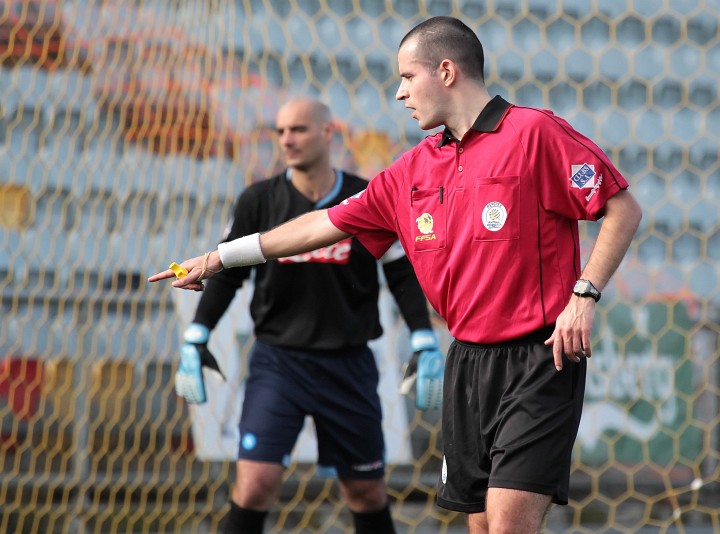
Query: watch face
{"type": "Point", "coordinates": [584, 288]}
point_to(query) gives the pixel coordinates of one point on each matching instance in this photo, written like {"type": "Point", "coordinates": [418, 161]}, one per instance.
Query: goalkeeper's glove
{"type": "Point", "coordinates": [194, 355]}
{"type": "Point", "coordinates": [425, 370]}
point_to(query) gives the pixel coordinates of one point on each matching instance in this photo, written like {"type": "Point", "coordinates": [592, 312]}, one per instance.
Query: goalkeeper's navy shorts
{"type": "Point", "coordinates": [509, 420]}
{"type": "Point", "coordinates": [337, 388]}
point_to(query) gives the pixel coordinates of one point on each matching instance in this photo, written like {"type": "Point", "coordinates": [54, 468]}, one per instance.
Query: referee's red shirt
{"type": "Point", "coordinates": [489, 222]}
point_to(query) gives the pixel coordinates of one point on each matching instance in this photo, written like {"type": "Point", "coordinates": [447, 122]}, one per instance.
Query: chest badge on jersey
{"type": "Point", "coordinates": [494, 216]}
{"type": "Point", "coordinates": [425, 223]}
{"type": "Point", "coordinates": [583, 176]}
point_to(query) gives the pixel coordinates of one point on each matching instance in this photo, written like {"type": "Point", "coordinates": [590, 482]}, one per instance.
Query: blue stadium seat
{"type": "Point", "coordinates": [686, 248]}
{"type": "Point", "coordinates": [686, 61]}
{"type": "Point", "coordinates": [595, 34]}
{"type": "Point", "coordinates": [544, 66]}
{"type": "Point", "coordinates": [649, 126]}
{"type": "Point", "coordinates": [614, 64]}
{"type": "Point", "coordinates": [666, 30]}
{"type": "Point", "coordinates": [510, 66]}
{"type": "Point", "coordinates": [703, 92]}
{"type": "Point", "coordinates": [526, 35]}
{"type": "Point", "coordinates": [563, 98]}
{"type": "Point", "coordinates": [630, 31]}
{"type": "Point", "coordinates": [650, 62]}
{"type": "Point", "coordinates": [561, 35]}
{"type": "Point", "coordinates": [614, 128]}
{"type": "Point", "coordinates": [633, 95]}
{"type": "Point", "coordinates": [530, 94]}
{"type": "Point", "coordinates": [579, 65]}
{"type": "Point", "coordinates": [597, 96]}
{"type": "Point", "coordinates": [702, 27]}
{"type": "Point", "coordinates": [652, 250]}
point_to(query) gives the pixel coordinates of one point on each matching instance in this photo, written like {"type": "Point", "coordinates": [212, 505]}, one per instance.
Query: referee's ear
{"type": "Point", "coordinates": [448, 72]}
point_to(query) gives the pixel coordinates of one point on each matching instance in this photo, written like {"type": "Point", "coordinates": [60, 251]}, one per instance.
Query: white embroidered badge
{"type": "Point", "coordinates": [494, 216]}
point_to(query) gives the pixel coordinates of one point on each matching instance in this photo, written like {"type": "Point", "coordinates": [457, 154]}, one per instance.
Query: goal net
{"type": "Point", "coordinates": [127, 130]}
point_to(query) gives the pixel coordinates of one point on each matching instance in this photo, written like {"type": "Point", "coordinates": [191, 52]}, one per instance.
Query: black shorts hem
{"type": "Point", "coordinates": [541, 489]}
{"type": "Point", "coordinates": [473, 508]}
{"type": "Point", "coordinates": [361, 475]}
{"type": "Point", "coordinates": [480, 507]}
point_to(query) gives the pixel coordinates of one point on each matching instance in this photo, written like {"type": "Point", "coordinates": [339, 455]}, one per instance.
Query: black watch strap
{"type": "Point", "coordinates": [585, 288]}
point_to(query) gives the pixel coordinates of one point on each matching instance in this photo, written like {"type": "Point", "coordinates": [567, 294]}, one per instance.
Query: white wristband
{"type": "Point", "coordinates": [242, 251]}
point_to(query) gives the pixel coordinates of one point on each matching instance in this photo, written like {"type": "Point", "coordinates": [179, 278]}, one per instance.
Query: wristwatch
{"type": "Point", "coordinates": [584, 288]}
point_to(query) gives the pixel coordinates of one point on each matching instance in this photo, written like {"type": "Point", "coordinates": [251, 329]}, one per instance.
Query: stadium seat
{"type": "Point", "coordinates": [58, 384]}
{"type": "Point", "coordinates": [20, 385]}
{"type": "Point", "coordinates": [165, 418]}
{"type": "Point", "coordinates": [58, 412]}
{"type": "Point", "coordinates": [109, 405]}
{"type": "Point", "coordinates": [41, 409]}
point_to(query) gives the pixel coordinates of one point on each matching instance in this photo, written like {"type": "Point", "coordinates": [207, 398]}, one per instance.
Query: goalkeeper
{"type": "Point", "coordinates": [313, 316]}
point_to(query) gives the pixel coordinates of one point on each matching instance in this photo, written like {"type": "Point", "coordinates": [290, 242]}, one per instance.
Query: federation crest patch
{"type": "Point", "coordinates": [425, 223]}
{"type": "Point", "coordinates": [494, 216]}
{"type": "Point", "coordinates": [583, 176]}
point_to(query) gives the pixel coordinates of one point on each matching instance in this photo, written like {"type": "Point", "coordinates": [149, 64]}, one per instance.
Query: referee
{"type": "Point", "coordinates": [313, 316]}
{"type": "Point", "coordinates": [487, 213]}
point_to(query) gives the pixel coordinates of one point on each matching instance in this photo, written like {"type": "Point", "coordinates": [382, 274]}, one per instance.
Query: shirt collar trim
{"type": "Point", "coordinates": [488, 121]}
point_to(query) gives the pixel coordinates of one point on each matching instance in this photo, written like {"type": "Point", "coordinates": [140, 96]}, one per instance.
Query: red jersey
{"type": "Point", "coordinates": [490, 222]}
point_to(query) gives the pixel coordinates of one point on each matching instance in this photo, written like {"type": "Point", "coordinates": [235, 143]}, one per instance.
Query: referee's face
{"type": "Point", "coordinates": [304, 138]}
{"type": "Point", "coordinates": [421, 88]}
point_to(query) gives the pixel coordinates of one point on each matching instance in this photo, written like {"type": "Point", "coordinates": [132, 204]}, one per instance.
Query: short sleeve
{"type": "Point", "coordinates": [370, 215]}
{"type": "Point", "coordinates": [577, 177]}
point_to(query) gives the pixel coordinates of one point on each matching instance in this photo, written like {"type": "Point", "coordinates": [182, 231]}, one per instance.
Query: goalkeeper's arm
{"type": "Point", "coordinates": [426, 367]}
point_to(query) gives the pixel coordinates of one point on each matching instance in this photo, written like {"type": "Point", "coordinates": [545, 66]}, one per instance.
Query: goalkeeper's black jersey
{"type": "Point", "coordinates": [324, 300]}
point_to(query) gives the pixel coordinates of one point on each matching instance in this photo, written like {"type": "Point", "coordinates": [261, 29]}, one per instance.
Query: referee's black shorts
{"type": "Point", "coordinates": [509, 420]}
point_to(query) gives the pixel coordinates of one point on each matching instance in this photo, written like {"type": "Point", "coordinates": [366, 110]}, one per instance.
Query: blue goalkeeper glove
{"type": "Point", "coordinates": [425, 370]}
{"type": "Point", "coordinates": [194, 355]}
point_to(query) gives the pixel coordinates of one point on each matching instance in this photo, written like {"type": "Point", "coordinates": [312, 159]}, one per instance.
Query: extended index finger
{"type": "Point", "coordinates": [556, 341]}
{"type": "Point", "coordinates": [168, 273]}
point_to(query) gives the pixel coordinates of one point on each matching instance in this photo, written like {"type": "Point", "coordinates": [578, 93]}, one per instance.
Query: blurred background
{"type": "Point", "coordinates": [127, 129]}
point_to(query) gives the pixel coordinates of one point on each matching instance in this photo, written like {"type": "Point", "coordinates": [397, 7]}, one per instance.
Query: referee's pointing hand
{"type": "Point", "coordinates": [199, 268]}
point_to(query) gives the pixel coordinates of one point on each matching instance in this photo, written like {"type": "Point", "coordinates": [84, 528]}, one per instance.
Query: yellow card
{"type": "Point", "coordinates": [179, 271]}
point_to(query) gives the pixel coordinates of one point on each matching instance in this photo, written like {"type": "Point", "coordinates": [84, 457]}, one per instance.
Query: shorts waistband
{"type": "Point", "coordinates": [533, 337]}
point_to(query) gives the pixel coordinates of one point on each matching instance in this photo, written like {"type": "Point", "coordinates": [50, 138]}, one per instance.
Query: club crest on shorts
{"type": "Point", "coordinates": [494, 216]}
{"type": "Point", "coordinates": [583, 176]}
{"type": "Point", "coordinates": [248, 441]}
{"type": "Point", "coordinates": [444, 470]}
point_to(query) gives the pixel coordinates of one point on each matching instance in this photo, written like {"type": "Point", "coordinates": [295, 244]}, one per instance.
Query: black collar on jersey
{"type": "Point", "coordinates": [488, 120]}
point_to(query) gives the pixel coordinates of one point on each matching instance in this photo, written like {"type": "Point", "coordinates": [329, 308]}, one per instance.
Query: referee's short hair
{"type": "Point", "coordinates": [441, 38]}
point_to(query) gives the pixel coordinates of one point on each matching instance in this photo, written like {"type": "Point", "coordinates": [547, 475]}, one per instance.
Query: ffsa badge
{"type": "Point", "coordinates": [425, 223]}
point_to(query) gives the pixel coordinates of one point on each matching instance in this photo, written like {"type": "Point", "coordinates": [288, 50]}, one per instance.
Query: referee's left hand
{"type": "Point", "coordinates": [573, 329]}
